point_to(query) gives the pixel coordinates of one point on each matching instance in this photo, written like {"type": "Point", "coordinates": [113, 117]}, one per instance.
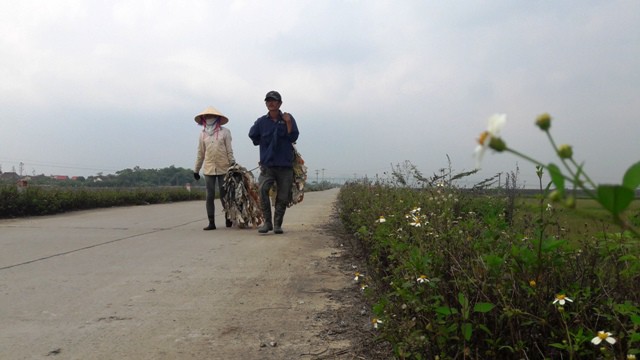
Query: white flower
{"type": "Point", "coordinates": [415, 219]}
{"type": "Point", "coordinates": [422, 279]}
{"type": "Point", "coordinates": [606, 336]}
{"type": "Point", "coordinates": [363, 286]}
{"type": "Point", "coordinates": [561, 298]}
{"type": "Point", "coordinates": [549, 207]}
{"type": "Point", "coordinates": [496, 123]}
{"type": "Point", "coordinates": [631, 357]}
{"type": "Point", "coordinates": [358, 276]}
{"type": "Point", "coordinates": [381, 219]}
{"type": "Point", "coordinates": [376, 322]}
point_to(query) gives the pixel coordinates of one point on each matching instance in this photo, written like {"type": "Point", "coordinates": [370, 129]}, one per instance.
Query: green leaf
{"type": "Point", "coordinates": [558, 346]}
{"type": "Point", "coordinates": [483, 307]}
{"type": "Point", "coordinates": [628, 257]}
{"type": "Point", "coordinates": [444, 310]}
{"type": "Point", "coordinates": [463, 300]}
{"type": "Point", "coordinates": [485, 329]}
{"type": "Point", "coordinates": [378, 309]}
{"type": "Point", "coordinates": [631, 178]}
{"type": "Point", "coordinates": [615, 198]}
{"type": "Point", "coordinates": [494, 262]}
{"type": "Point", "coordinates": [556, 177]}
{"type": "Point", "coordinates": [467, 330]}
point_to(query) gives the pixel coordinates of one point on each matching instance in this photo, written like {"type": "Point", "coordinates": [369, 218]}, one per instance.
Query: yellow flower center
{"type": "Point", "coordinates": [560, 297]}
{"type": "Point", "coordinates": [483, 137]}
{"type": "Point", "coordinates": [602, 335]}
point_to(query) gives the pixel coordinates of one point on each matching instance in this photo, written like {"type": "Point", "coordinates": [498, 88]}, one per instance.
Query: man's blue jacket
{"type": "Point", "coordinates": [276, 145]}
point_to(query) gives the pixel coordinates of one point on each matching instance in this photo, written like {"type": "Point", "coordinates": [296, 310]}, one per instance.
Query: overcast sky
{"type": "Point", "coordinates": [99, 86]}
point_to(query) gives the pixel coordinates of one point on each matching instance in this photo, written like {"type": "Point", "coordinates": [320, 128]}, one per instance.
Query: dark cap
{"type": "Point", "coordinates": [273, 95]}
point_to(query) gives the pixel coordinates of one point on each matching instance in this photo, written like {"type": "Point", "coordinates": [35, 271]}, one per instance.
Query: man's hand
{"type": "Point", "coordinates": [287, 120]}
{"type": "Point", "coordinates": [196, 176]}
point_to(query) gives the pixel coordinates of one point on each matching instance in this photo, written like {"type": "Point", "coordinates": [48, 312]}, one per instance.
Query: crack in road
{"type": "Point", "coordinates": [94, 245]}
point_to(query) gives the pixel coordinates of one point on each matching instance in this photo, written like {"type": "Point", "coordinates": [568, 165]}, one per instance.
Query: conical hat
{"type": "Point", "coordinates": [210, 110]}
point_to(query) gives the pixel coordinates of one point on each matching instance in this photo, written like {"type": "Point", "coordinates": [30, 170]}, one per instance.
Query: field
{"type": "Point", "coordinates": [588, 218]}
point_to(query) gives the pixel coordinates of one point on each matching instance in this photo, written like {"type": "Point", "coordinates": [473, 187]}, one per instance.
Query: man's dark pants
{"type": "Point", "coordinates": [283, 178]}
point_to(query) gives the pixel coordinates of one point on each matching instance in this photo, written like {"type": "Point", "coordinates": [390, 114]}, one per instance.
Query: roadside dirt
{"type": "Point", "coordinates": [350, 320]}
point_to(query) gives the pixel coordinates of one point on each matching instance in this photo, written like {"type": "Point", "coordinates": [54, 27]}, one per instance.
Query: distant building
{"type": "Point", "coordinates": [11, 175]}
{"type": "Point", "coordinates": [40, 178]}
{"type": "Point", "coordinates": [60, 177]}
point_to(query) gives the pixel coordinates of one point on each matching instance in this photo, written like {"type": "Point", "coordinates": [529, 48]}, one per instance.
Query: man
{"type": "Point", "coordinates": [275, 133]}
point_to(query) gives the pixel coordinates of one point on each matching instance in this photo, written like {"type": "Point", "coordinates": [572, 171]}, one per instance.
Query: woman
{"type": "Point", "coordinates": [215, 156]}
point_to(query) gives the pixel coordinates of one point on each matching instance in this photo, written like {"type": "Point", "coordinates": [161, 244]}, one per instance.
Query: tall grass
{"type": "Point", "coordinates": [451, 276]}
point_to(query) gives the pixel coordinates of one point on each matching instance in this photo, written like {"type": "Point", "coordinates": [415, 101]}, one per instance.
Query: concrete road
{"type": "Point", "coordinates": [146, 282]}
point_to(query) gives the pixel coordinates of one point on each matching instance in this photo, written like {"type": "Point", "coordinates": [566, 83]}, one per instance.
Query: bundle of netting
{"type": "Point", "coordinates": [242, 202]}
{"type": "Point", "coordinates": [299, 179]}
{"type": "Point", "coordinates": [296, 195]}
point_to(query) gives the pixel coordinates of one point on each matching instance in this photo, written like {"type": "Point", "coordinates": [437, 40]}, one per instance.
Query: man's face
{"type": "Point", "coordinates": [273, 104]}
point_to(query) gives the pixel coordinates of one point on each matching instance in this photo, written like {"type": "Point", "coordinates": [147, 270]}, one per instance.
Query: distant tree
{"type": "Point", "coordinates": [139, 177]}
{"type": "Point", "coordinates": [135, 177]}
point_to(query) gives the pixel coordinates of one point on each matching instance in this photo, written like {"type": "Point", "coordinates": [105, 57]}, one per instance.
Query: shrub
{"type": "Point", "coordinates": [449, 277]}
{"type": "Point", "coordinates": [45, 201]}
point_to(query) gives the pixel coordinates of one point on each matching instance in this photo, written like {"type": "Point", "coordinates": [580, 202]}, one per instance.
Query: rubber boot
{"type": "Point", "coordinates": [278, 229]}
{"type": "Point", "coordinates": [211, 226]}
{"type": "Point", "coordinates": [277, 219]}
{"type": "Point", "coordinates": [266, 227]}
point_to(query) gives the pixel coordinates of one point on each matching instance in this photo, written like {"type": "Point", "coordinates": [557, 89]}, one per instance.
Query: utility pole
{"type": "Point", "coordinates": [21, 167]}
{"type": "Point", "coordinates": [317, 176]}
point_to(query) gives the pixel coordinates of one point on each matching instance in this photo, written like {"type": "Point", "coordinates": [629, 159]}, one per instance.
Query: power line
{"type": "Point", "coordinates": [53, 165]}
